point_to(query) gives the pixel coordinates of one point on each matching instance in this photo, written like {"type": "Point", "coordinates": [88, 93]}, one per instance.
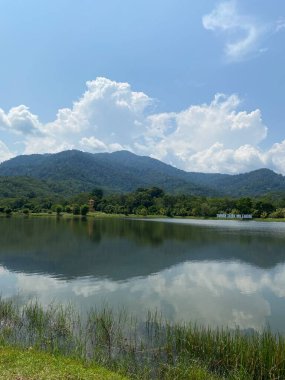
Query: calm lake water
{"type": "Point", "coordinates": [217, 273]}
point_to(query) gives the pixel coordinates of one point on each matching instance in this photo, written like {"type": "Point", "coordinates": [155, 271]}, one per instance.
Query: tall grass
{"type": "Point", "coordinates": [155, 349]}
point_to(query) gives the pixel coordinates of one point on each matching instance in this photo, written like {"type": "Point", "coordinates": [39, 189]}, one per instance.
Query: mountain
{"type": "Point", "coordinates": [73, 171]}
{"type": "Point", "coordinates": [114, 172]}
{"type": "Point", "coordinates": [257, 182]}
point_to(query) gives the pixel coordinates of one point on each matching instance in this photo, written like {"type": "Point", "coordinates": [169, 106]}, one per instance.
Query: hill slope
{"type": "Point", "coordinates": [120, 171]}
{"type": "Point", "coordinates": [257, 182]}
{"type": "Point", "coordinates": [73, 171]}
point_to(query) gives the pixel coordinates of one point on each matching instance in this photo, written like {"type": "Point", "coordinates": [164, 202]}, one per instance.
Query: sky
{"type": "Point", "coordinates": [199, 85]}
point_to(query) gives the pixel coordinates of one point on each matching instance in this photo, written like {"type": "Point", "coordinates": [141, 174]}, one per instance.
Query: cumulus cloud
{"type": "Point", "coordinates": [20, 120]}
{"type": "Point", "coordinates": [243, 33]}
{"type": "Point", "coordinates": [109, 108]}
{"type": "Point", "coordinates": [218, 136]}
{"type": "Point", "coordinates": [211, 137]}
{"type": "Point", "coordinates": [5, 153]}
{"type": "Point", "coordinates": [108, 117]}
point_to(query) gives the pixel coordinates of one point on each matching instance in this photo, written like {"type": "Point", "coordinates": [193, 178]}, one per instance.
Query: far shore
{"type": "Point", "coordinates": [98, 214]}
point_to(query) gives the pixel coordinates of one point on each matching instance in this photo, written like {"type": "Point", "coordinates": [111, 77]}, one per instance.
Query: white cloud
{"type": "Point", "coordinates": [212, 138]}
{"type": "Point", "coordinates": [20, 120]}
{"type": "Point", "coordinates": [109, 108]}
{"type": "Point", "coordinates": [5, 153]}
{"type": "Point", "coordinates": [218, 158]}
{"type": "Point", "coordinates": [92, 144]}
{"type": "Point", "coordinates": [110, 116]}
{"type": "Point", "coordinates": [275, 157]}
{"type": "Point", "coordinates": [280, 25]}
{"type": "Point", "coordinates": [243, 33]}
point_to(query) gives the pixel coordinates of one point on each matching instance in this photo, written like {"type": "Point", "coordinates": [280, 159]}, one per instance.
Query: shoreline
{"type": "Point", "coordinates": [98, 214]}
{"type": "Point", "coordinates": [112, 340]}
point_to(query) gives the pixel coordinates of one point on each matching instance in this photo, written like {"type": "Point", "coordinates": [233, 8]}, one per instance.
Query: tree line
{"type": "Point", "coordinates": [149, 201]}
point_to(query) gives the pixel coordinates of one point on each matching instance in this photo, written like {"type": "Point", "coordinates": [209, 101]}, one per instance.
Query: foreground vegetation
{"type": "Point", "coordinates": [154, 349]}
{"type": "Point", "coordinates": [28, 364]}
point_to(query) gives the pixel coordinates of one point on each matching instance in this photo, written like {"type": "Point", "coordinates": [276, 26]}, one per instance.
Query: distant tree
{"type": "Point", "coordinates": [262, 206]}
{"type": "Point", "coordinates": [244, 205]}
{"type": "Point", "coordinates": [97, 193]}
{"type": "Point", "coordinates": [84, 210]}
{"type": "Point", "coordinates": [31, 194]}
{"type": "Point", "coordinates": [26, 211]}
{"type": "Point", "coordinates": [279, 213]}
{"type": "Point", "coordinates": [169, 213]}
{"type": "Point", "coordinates": [68, 209]}
{"type": "Point", "coordinates": [182, 212]}
{"type": "Point", "coordinates": [141, 211]}
{"type": "Point", "coordinates": [58, 209]}
{"type": "Point", "coordinates": [153, 210]}
{"type": "Point", "coordinates": [76, 209]}
{"type": "Point", "coordinates": [8, 211]}
{"type": "Point", "coordinates": [156, 192]}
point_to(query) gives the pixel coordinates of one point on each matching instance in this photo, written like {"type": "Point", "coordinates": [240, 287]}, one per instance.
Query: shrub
{"type": "Point", "coordinates": [8, 211]}
{"type": "Point", "coordinates": [84, 210]}
{"type": "Point", "coordinates": [76, 210]}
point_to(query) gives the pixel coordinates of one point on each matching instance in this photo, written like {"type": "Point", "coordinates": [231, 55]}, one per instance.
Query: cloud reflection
{"type": "Point", "coordinates": [212, 293]}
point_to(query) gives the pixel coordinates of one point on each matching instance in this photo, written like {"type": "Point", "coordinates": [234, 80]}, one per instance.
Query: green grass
{"type": "Point", "coordinates": [153, 349]}
{"type": "Point", "coordinates": [269, 219]}
{"type": "Point", "coordinates": [21, 364]}
{"type": "Point", "coordinates": [28, 364]}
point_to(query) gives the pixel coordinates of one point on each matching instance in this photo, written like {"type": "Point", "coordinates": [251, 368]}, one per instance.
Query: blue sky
{"type": "Point", "coordinates": [156, 70]}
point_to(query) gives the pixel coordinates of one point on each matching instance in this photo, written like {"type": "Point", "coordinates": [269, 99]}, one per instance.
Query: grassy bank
{"type": "Point", "coordinates": [154, 349]}
{"type": "Point", "coordinates": [28, 364]}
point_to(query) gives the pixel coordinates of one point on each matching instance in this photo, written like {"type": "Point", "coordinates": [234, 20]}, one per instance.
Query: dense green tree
{"type": "Point", "coordinates": [84, 210]}
{"type": "Point", "coordinates": [97, 193]}
{"type": "Point", "coordinates": [8, 211]}
{"type": "Point", "coordinates": [76, 209]}
{"type": "Point", "coordinates": [263, 206]}
{"type": "Point", "coordinates": [68, 209]}
{"type": "Point", "coordinates": [59, 209]}
{"type": "Point", "coordinates": [244, 205]}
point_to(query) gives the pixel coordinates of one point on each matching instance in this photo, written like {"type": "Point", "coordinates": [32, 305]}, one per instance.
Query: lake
{"type": "Point", "coordinates": [217, 273]}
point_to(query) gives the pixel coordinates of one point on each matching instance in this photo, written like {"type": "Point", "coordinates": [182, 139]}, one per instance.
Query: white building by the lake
{"type": "Point", "coordinates": [234, 216]}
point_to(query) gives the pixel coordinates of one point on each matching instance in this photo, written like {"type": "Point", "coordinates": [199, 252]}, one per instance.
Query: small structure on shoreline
{"type": "Point", "coordinates": [91, 204]}
{"type": "Point", "coordinates": [234, 216]}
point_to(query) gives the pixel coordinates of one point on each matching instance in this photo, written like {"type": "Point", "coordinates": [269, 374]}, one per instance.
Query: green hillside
{"type": "Point", "coordinates": [70, 172]}
{"type": "Point", "coordinates": [114, 172]}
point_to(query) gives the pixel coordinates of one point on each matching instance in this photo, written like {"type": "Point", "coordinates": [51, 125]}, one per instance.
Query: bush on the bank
{"type": "Point", "coordinates": [279, 213]}
{"type": "Point", "coordinates": [84, 210]}
{"type": "Point", "coordinates": [68, 209]}
{"type": "Point", "coordinates": [76, 209]}
{"type": "Point", "coordinates": [8, 211]}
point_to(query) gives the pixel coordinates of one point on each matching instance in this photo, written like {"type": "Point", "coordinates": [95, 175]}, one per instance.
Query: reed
{"type": "Point", "coordinates": [154, 349]}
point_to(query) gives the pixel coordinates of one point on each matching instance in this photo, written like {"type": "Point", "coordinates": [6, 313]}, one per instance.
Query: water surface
{"type": "Point", "coordinates": [217, 273]}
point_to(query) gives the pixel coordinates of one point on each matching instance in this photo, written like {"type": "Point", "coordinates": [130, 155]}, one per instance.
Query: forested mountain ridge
{"type": "Point", "coordinates": [257, 182]}
{"type": "Point", "coordinates": [75, 171]}
{"type": "Point", "coordinates": [114, 172]}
